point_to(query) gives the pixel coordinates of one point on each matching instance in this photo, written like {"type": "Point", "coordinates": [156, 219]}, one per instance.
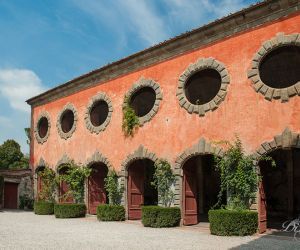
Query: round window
{"type": "Point", "coordinates": [202, 86]}
{"type": "Point", "coordinates": [142, 101]}
{"type": "Point", "coordinates": [43, 127]}
{"type": "Point", "coordinates": [99, 113]}
{"type": "Point", "coordinates": [280, 68]}
{"type": "Point", "coordinates": [67, 121]}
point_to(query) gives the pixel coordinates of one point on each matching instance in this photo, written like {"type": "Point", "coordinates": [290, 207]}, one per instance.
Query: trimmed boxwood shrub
{"type": "Point", "coordinates": [43, 207]}
{"type": "Point", "coordinates": [233, 222]}
{"type": "Point", "coordinates": [68, 210]}
{"type": "Point", "coordinates": [110, 213]}
{"type": "Point", "coordinates": [156, 216]}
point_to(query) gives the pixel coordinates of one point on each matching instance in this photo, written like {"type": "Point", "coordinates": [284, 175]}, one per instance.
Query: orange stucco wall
{"type": "Point", "coordinates": [172, 130]}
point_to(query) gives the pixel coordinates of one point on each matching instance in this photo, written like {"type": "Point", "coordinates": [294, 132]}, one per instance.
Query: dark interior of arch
{"type": "Point", "coordinates": [67, 121]}
{"type": "Point", "coordinates": [99, 113]}
{"type": "Point", "coordinates": [203, 86]}
{"type": "Point", "coordinates": [143, 101]}
{"type": "Point", "coordinates": [280, 68]}
{"type": "Point", "coordinates": [43, 127]}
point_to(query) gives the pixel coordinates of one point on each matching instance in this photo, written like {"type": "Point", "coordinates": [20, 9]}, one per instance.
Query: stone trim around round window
{"type": "Point", "coordinates": [62, 134]}
{"type": "Point", "coordinates": [99, 97]}
{"type": "Point", "coordinates": [201, 64]}
{"type": "Point", "coordinates": [143, 82]}
{"type": "Point", "coordinates": [253, 73]}
{"type": "Point", "coordinates": [40, 140]}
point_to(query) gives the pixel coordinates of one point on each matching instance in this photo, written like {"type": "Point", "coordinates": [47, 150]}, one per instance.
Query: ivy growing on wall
{"type": "Point", "coordinates": [48, 185]}
{"type": "Point", "coordinates": [238, 175]}
{"type": "Point", "coordinates": [164, 179]}
{"type": "Point", "coordinates": [113, 188]}
{"type": "Point", "coordinates": [75, 177]}
{"type": "Point", "coordinates": [130, 120]}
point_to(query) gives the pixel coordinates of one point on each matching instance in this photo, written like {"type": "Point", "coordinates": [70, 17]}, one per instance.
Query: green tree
{"type": "Point", "coordinates": [75, 177]}
{"type": "Point", "coordinates": [163, 181]}
{"type": "Point", "coordinates": [11, 156]}
{"type": "Point", "coordinates": [113, 188]}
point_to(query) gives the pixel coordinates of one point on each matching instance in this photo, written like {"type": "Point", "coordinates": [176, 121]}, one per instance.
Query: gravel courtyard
{"type": "Point", "coordinates": [24, 230]}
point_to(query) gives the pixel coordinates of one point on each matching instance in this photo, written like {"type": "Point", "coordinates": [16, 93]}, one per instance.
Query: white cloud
{"type": "Point", "coordinates": [18, 85]}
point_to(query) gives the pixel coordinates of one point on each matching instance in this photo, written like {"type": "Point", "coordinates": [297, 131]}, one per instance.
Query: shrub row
{"type": "Point", "coordinates": [66, 210]}
{"type": "Point", "coordinates": [43, 207]}
{"type": "Point", "coordinates": [232, 222]}
{"type": "Point", "coordinates": [155, 216]}
{"type": "Point", "coordinates": [110, 213]}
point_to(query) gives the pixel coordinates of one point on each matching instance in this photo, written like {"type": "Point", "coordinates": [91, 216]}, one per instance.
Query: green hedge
{"type": "Point", "coordinates": [43, 207]}
{"type": "Point", "coordinates": [155, 216]}
{"type": "Point", "coordinates": [67, 210]}
{"type": "Point", "coordinates": [110, 213]}
{"type": "Point", "coordinates": [231, 222]}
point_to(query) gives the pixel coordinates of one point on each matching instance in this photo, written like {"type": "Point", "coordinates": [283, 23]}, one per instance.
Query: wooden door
{"type": "Point", "coordinates": [262, 209]}
{"type": "Point", "coordinates": [190, 206]}
{"type": "Point", "coordinates": [96, 189]}
{"type": "Point", "coordinates": [10, 195]}
{"type": "Point", "coordinates": [136, 176]}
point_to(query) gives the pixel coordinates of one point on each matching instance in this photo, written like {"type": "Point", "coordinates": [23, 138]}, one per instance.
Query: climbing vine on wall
{"type": "Point", "coordinates": [48, 185]}
{"type": "Point", "coordinates": [113, 188]}
{"type": "Point", "coordinates": [130, 120]}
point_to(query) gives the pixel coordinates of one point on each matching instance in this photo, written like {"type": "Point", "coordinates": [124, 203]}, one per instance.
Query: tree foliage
{"type": "Point", "coordinates": [113, 188]}
{"type": "Point", "coordinates": [130, 120]}
{"type": "Point", "coordinates": [238, 176]}
{"type": "Point", "coordinates": [11, 156]}
{"type": "Point", "coordinates": [48, 185]}
{"type": "Point", "coordinates": [75, 177]}
{"type": "Point", "coordinates": [163, 181]}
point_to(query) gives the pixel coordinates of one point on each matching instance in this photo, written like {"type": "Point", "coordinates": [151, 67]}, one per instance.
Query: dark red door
{"type": "Point", "coordinates": [10, 195]}
{"type": "Point", "coordinates": [96, 190]}
{"type": "Point", "coordinates": [190, 195]}
{"type": "Point", "coordinates": [135, 186]}
{"type": "Point", "coordinates": [262, 209]}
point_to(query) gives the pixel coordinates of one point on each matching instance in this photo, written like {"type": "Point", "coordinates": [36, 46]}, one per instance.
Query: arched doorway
{"type": "Point", "coordinates": [279, 188]}
{"type": "Point", "coordinates": [39, 182]}
{"type": "Point", "coordinates": [96, 190]}
{"type": "Point", "coordinates": [63, 186]}
{"type": "Point", "coordinates": [139, 189]}
{"type": "Point", "coordinates": [200, 189]}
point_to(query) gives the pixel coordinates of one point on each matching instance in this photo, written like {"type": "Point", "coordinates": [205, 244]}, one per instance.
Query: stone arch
{"type": "Point", "coordinates": [141, 83]}
{"type": "Point", "coordinates": [38, 167]}
{"type": "Point", "coordinates": [98, 157]}
{"type": "Point", "coordinates": [200, 148]}
{"type": "Point", "coordinates": [139, 154]}
{"type": "Point", "coordinates": [202, 64]}
{"type": "Point", "coordinates": [65, 159]}
{"type": "Point", "coordinates": [286, 139]}
{"type": "Point", "coordinates": [268, 46]}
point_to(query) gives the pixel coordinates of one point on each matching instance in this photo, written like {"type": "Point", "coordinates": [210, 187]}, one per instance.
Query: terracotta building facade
{"type": "Point", "coordinates": [236, 76]}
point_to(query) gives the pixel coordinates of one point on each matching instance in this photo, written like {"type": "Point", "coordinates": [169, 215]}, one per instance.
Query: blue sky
{"type": "Point", "coordinates": [47, 42]}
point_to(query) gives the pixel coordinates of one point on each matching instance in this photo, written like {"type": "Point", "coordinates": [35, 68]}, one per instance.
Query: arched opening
{"type": "Point", "coordinates": [96, 189]}
{"type": "Point", "coordinates": [142, 101]}
{"type": "Point", "coordinates": [99, 113]}
{"type": "Point", "coordinates": [279, 191]}
{"type": "Point", "coordinates": [139, 189]}
{"type": "Point", "coordinates": [67, 120]}
{"type": "Point", "coordinates": [43, 127]}
{"type": "Point", "coordinates": [280, 68]}
{"type": "Point", "coordinates": [201, 186]}
{"type": "Point", "coordinates": [203, 86]}
{"type": "Point", "coordinates": [63, 192]}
